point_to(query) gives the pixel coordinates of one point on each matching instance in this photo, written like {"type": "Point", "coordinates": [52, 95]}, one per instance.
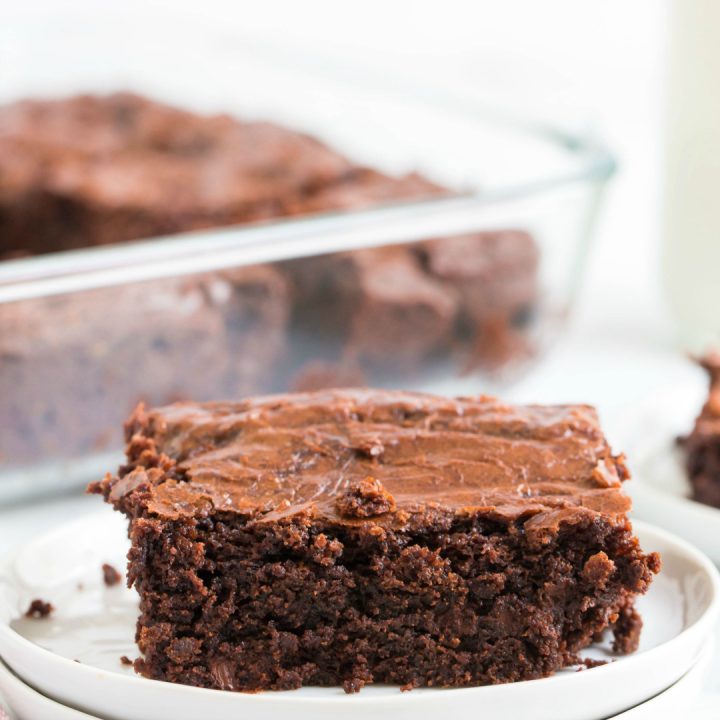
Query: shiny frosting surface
{"type": "Point", "coordinates": [357, 455]}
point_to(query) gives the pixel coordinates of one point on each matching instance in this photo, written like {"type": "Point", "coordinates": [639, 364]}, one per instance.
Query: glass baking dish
{"type": "Point", "coordinates": [452, 294]}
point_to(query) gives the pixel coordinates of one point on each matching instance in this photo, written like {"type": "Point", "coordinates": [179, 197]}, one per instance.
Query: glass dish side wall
{"type": "Point", "coordinates": [456, 313]}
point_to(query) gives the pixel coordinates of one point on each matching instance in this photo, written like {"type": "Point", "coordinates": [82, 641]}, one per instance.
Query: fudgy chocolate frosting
{"type": "Point", "coordinates": [358, 455]}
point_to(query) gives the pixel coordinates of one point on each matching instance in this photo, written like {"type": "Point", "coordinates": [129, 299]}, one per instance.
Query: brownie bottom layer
{"type": "Point", "coordinates": [279, 605]}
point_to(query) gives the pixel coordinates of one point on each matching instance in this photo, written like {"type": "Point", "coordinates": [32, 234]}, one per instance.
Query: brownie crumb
{"type": "Point", "coordinates": [598, 569]}
{"type": "Point", "coordinates": [325, 551]}
{"type": "Point", "coordinates": [39, 609]}
{"type": "Point", "coordinates": [353, 685]}
{"type": "Point", "coordinates": [111, 576]}
{"type": "Point", "coordinates": [627, 631]}
{"type": "Point", "coordinates": [590, 663]}
{"type": "Point", "coordinates": [125, 660]}
{"type": "Point", "coordinates": [365, 498]}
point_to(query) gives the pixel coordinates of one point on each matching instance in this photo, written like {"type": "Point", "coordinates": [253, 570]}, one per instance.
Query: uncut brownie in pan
{"type": "Point", "coordinates": [94, 170]}
{"type": "Point", "coordinates": [355, 537]}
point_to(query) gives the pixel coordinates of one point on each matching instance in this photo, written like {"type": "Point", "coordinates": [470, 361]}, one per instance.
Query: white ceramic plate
{"type": "Point", "coordinates": [647, 433]}
{"type": "Point", "coordinates": [682, 698]}
{"type": "Point", "coordinates": [95, 625]}
{"type": "Point", "coordinates": [29, 704]}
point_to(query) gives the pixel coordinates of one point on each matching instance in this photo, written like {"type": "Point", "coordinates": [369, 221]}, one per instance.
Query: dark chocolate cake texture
{"type": "Point", "coordinates": [355, 537]}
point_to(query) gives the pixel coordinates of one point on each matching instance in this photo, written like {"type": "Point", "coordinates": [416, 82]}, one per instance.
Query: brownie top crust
{"type": "Point", "coordinates": [122, 150]}
{"type": "Point", "coordinates": [352, 456]}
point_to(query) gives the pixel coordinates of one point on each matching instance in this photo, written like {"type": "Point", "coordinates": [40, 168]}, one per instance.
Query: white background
{"type": "Point", "coordinates": [602, 62]}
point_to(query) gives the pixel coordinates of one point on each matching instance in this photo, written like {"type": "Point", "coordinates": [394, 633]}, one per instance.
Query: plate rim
{"type": "Point", "coordinates": [709, 615]}
{"type": "Point", "coordinates": [700, 665]}
{"type": "Point", "coordinates": [699, 669]}
{"type": "Point", "coordinates": [8, 676]}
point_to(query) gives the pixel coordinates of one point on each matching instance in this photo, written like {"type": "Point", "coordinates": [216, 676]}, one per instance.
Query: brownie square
{"type": "Point", "coordinates": [702, 445]}
{"type": "Point", "coordinates": [355, 537]}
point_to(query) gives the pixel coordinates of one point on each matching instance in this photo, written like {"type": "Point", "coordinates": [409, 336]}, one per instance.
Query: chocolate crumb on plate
{"type": "Point", "coordinates": [111, 576]}
{"type": "Point", "coordinates": [39, 609]}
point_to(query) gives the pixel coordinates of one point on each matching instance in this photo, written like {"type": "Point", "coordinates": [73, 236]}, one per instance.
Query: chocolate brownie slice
{"type": "Point", "coordinates": [702, 445]}
{"type": "Point", "coordinates": [355, 537]}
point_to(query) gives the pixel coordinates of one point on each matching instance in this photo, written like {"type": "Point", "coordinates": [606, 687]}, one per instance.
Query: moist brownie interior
{"type": "Point", "coordinates": [355, 537]}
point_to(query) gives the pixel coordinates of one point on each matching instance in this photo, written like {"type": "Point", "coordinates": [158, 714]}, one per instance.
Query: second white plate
{"type": "Point", "coordinates": [680, 698]}
{"type": "Point", "coordinates": [95, 625]}
{"type": "Point", "coordinates": [647, 432]}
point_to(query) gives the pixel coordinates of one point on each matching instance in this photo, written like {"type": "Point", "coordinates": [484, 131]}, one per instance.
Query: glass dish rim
{"type": "Point", "coordinates": [287, 238]}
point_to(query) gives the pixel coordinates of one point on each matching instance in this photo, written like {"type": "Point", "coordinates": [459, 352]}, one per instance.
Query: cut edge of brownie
{"type": "Point", "coordinates": [369, 586]}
